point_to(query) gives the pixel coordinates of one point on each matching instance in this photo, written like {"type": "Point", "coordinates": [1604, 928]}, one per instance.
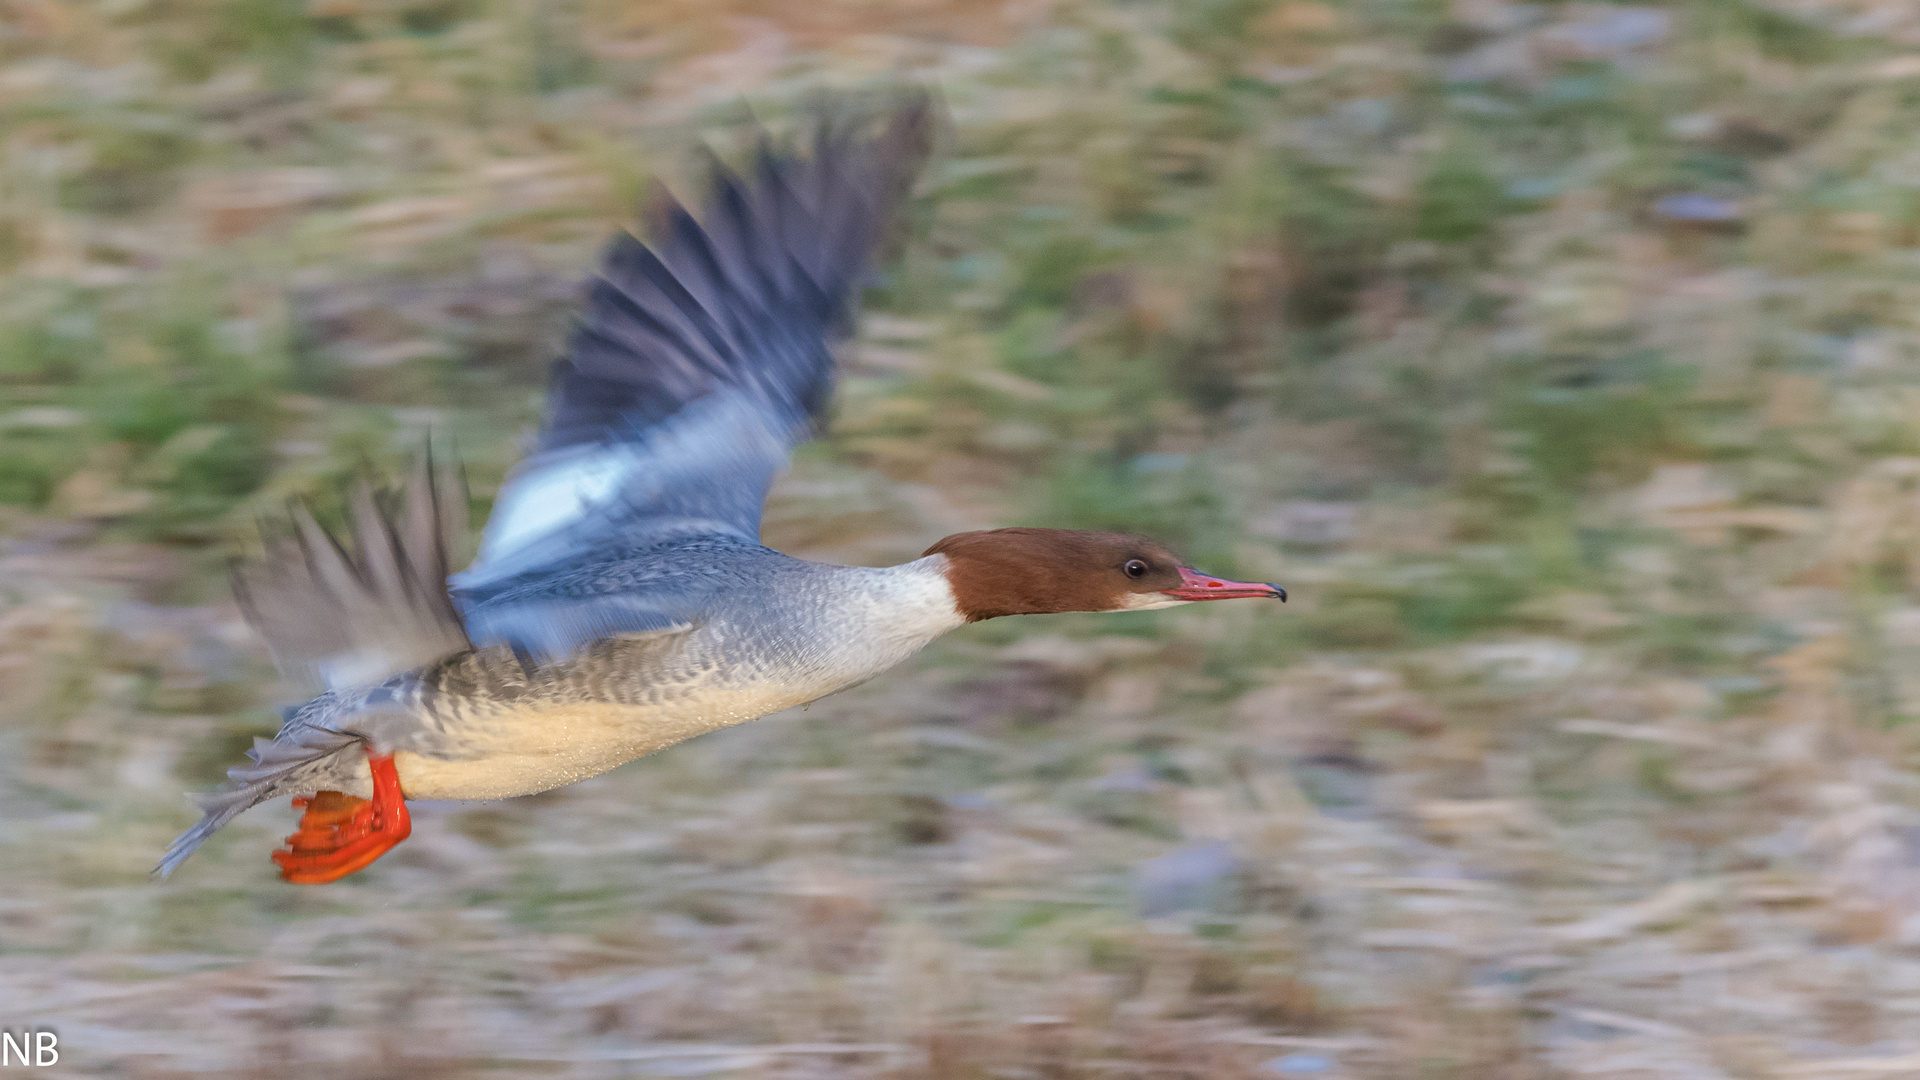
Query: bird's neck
{"type": "Point", "coordinates": [909, 605]}
{"type": "Point", "coordinates": [864, 620]}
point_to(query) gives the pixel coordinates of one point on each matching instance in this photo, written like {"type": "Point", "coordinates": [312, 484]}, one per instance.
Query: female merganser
{"type": "Point", "coordinates": [621, 601]}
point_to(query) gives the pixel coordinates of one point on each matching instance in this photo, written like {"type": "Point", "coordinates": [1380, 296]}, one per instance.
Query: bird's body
{"type": "Point", "coordinates": [622, 601]}
{"type": "Point", "coordinates": [775, 632]}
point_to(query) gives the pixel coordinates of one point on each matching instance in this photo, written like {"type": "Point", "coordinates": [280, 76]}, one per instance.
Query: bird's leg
{"type": "Point", "coordinates": [340, 834]}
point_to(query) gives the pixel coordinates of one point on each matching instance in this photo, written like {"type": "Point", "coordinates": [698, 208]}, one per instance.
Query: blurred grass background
{"type": "Point", "coordinates": [1561, 358]}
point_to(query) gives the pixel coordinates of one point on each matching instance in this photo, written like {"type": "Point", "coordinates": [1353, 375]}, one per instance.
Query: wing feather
{"type": "Point", "coordinates": [699, 363]}
{"type": "Point", "coordinates": [349, 614]}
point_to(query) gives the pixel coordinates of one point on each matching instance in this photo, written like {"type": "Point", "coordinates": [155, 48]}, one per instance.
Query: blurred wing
{"type": "Point", "coordinates": [698, 366]}
{"type": "Point", "coordinates": [344, 615]}
{"type": "Point", "coordinates": [552, 619]}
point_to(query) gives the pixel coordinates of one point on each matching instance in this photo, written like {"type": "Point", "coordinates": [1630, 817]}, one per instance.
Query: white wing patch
{"type": "Point", "coordinates": [692, 474]}
{"type": "Point", "coordinates": [572, 484]}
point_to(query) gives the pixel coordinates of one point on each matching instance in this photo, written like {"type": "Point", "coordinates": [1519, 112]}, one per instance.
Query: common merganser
{"type": "Point", "coordinates": [621, 601]}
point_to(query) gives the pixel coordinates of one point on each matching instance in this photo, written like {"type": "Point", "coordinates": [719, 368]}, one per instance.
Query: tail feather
{"type": "Point", "coordinates": [346, 615]}
{"type": "Point", "coordinates": [285, 764]}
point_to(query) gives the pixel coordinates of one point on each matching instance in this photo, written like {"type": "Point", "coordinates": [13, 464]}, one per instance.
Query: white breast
{"type": "Point", "coordinates": [537, 749]}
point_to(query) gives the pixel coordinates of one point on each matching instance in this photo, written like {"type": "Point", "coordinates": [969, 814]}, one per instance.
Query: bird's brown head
{"type": "Point", "coordinates": [1041, 571]}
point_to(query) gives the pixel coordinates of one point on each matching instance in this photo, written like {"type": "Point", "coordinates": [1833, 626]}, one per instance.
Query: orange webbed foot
{"type": "Point", "coordinates": [340, 834]}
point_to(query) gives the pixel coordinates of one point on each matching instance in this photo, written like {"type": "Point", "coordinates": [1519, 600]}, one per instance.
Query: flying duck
{"type": "Point", "coordinates": [621, 600]}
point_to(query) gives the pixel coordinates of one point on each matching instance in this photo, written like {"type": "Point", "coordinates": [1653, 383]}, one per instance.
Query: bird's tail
{"type": "Point", "coordinates": [281, 765]}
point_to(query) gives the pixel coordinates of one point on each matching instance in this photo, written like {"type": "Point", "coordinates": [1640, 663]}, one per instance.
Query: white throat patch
{"type": "Point", "coordinates": [1150, 601]}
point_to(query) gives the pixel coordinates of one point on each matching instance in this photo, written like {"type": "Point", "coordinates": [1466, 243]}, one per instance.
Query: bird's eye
{"type": "Point", "coordinates": [1135, 568]}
